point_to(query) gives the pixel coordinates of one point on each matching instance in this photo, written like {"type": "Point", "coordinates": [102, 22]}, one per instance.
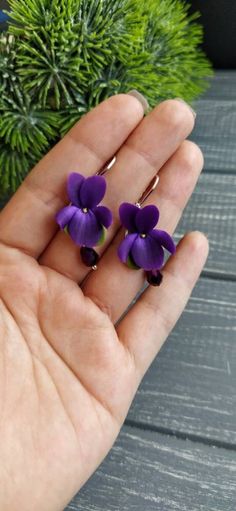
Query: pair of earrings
{"type": "Point", "coordinates": [86, 222]}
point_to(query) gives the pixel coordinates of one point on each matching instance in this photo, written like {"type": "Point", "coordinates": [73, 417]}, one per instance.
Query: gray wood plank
{"type": "Point", "coordinates": [190, 387]}
{"type": "Point", "coordinates": [215, 129]}
{"type": "Point", "coordinates": [215, 133]}
{"type": "Point", "coordinates": [222, 85]}
{"type": "Point", "coordinates": [147, 471]}
{"type": "Point", "coordinates": [212, 209]}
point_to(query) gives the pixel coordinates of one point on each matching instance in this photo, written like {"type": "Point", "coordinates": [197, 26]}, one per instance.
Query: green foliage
{"type": "Point", "coordinates": [60, 58]}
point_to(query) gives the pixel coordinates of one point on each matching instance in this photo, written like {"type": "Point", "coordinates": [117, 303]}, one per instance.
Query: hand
{"type": "Point", "coordinates": [67, 375]}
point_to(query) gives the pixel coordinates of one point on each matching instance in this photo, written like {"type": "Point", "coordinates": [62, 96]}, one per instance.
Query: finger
{"type": "Point", "coordinates": [152, 318]}
{"type": "Point", "coordinates": [28, 222]}
{"type": "Point", "coordinates": [145, 151]}
{"type": "Point", "coordinates": [114, 285]}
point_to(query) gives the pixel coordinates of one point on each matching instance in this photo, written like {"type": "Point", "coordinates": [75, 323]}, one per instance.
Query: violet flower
{"type": "Point", "coordinates": [143, 246]}
{"type": "Point", "coordinates": [84, 220]}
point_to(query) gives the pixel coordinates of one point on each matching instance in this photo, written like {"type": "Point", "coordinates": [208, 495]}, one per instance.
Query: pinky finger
{"type": "Point", "coordinates": [151, 319]}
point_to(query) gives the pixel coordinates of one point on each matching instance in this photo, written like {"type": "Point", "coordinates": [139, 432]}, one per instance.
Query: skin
{"type": "Point", "coordinates": [67, 373]}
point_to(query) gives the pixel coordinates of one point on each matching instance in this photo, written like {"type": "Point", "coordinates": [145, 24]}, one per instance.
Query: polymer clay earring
{"type": "Point", "coordinates": [84, 219]}
{"type": "Point", "coordinates": [142, 247]}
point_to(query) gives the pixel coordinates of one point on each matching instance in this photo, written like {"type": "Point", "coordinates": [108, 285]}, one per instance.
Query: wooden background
{"type": "Point", "coordinates": [176, 450]}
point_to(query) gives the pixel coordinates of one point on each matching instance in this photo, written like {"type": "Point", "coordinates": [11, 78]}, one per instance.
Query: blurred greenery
{"type": "Point", "coordinates": [60, 58]}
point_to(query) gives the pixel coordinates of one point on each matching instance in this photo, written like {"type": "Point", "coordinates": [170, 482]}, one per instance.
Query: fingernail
{"type": "Point", "coordinates": [190, 108]}
{"type": "Point", "coordinates": [140, 98]}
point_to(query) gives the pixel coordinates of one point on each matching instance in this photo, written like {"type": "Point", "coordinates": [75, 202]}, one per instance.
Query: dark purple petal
{"type": "Point", "coordinates": [147, 253]}
{"type": "Point", "coordinates": [147, 218]}
{"type": "Point", "coordinates": [73, 187]}
{"type": "Point", "coordinates": [125, 247]}
{"type": "Point", "coordinates": [92, 191]}
{"type": "Point", "coordinates": [164, 239]}
{"type": "Point", "coordinates": [64, 216]}
{"type": "Point", "coordinates": [84, 229]}
{"type": "Point", "coordinates": [103, 215]}
{"type": "Point", "coordinates": [128, 214]}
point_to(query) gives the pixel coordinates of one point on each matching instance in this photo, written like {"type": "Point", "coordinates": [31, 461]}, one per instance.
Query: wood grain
{"type": "Point", "coordinates": [222, 86]}
{"type": "Point", "coordinates": [215, 129]}
{"type": "Point", "coordinates": [151, 472]}
{"type": "Point", "coordinates": [212, 209]}
{"type": "Point", "coordinates": [215, 133]}
{"type": "Point", "coordinates": [190, 387]}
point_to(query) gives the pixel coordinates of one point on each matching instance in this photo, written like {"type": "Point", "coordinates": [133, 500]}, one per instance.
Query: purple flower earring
{"type": "Point", "coordinates": [84, 220]}
{"type": "Point", "coordinates": [143, 245]}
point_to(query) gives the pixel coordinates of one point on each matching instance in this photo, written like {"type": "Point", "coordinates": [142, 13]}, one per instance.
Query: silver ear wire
{"type": "Point", "coordinates": [106, 167]}
{"type": "Point", "coordinates": [151, 187]}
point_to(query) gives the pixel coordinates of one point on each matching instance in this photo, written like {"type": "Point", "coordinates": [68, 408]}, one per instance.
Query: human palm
{"type": "Point", "coordinates": [67, 374]}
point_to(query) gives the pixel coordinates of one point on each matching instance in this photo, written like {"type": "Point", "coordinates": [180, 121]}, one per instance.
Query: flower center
{"type": "Point", "coordinates": [85, 210]}
{"type": "Point", "coordinates": [143, 235]}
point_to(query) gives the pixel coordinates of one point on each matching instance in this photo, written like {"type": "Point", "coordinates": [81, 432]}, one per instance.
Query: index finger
{"type": "Point", "coordinates": [27, 222]}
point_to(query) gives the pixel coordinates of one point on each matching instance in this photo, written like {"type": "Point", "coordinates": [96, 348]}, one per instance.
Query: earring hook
{"type": "Point", "coordinates": [151, 187]}
{"type": "Point", "coordinates": [107, 166]}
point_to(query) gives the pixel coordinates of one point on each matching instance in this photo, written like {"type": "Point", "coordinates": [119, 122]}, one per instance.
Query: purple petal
{"type": "Point", "coordinates": [103, 215]}
{"type": "Point", "coordinates": [92, 191]}
{"type": "Point", "coordinates": [147, 218]}
{"type": "Point", "coordinates": [64, 216]}
{"type": "Point", "coordinates": [73, 187]}
{"type": "Point", "coordinates": [84, 229]}
{"type": "Point", "coordinates": [147, 253]}
{"type": "Point", "coordinates": [125, 247]}
{"type": "Point", "coordinates": [128, 214]}
{"type": "Point", "coordinates": [164, 239]}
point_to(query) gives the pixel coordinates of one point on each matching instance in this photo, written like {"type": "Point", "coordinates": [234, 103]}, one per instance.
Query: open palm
{"type": "Point", "coordinates": [67, 374]}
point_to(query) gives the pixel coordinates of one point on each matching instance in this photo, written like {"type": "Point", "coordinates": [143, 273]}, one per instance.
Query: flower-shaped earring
{"type": "Point", "coordinates": [83, 219]}
{"type": "Point", "coordinates": [143, 245]}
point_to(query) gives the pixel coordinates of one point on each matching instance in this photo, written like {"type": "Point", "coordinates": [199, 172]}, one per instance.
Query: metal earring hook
{"type": "Point", "coordinates": [151, 187]}
{"type": "Point", "coordinates": [106, 167]}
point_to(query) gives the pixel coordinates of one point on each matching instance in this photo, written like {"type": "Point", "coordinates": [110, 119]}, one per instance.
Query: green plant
{"type": "Point", "coordinates": [59, 58]}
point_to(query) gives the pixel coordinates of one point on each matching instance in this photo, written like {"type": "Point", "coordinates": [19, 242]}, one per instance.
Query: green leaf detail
{"type": "Point", "coordinates": [102, 237]}
{"type": "Point", "coordinates": [131, 264]}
